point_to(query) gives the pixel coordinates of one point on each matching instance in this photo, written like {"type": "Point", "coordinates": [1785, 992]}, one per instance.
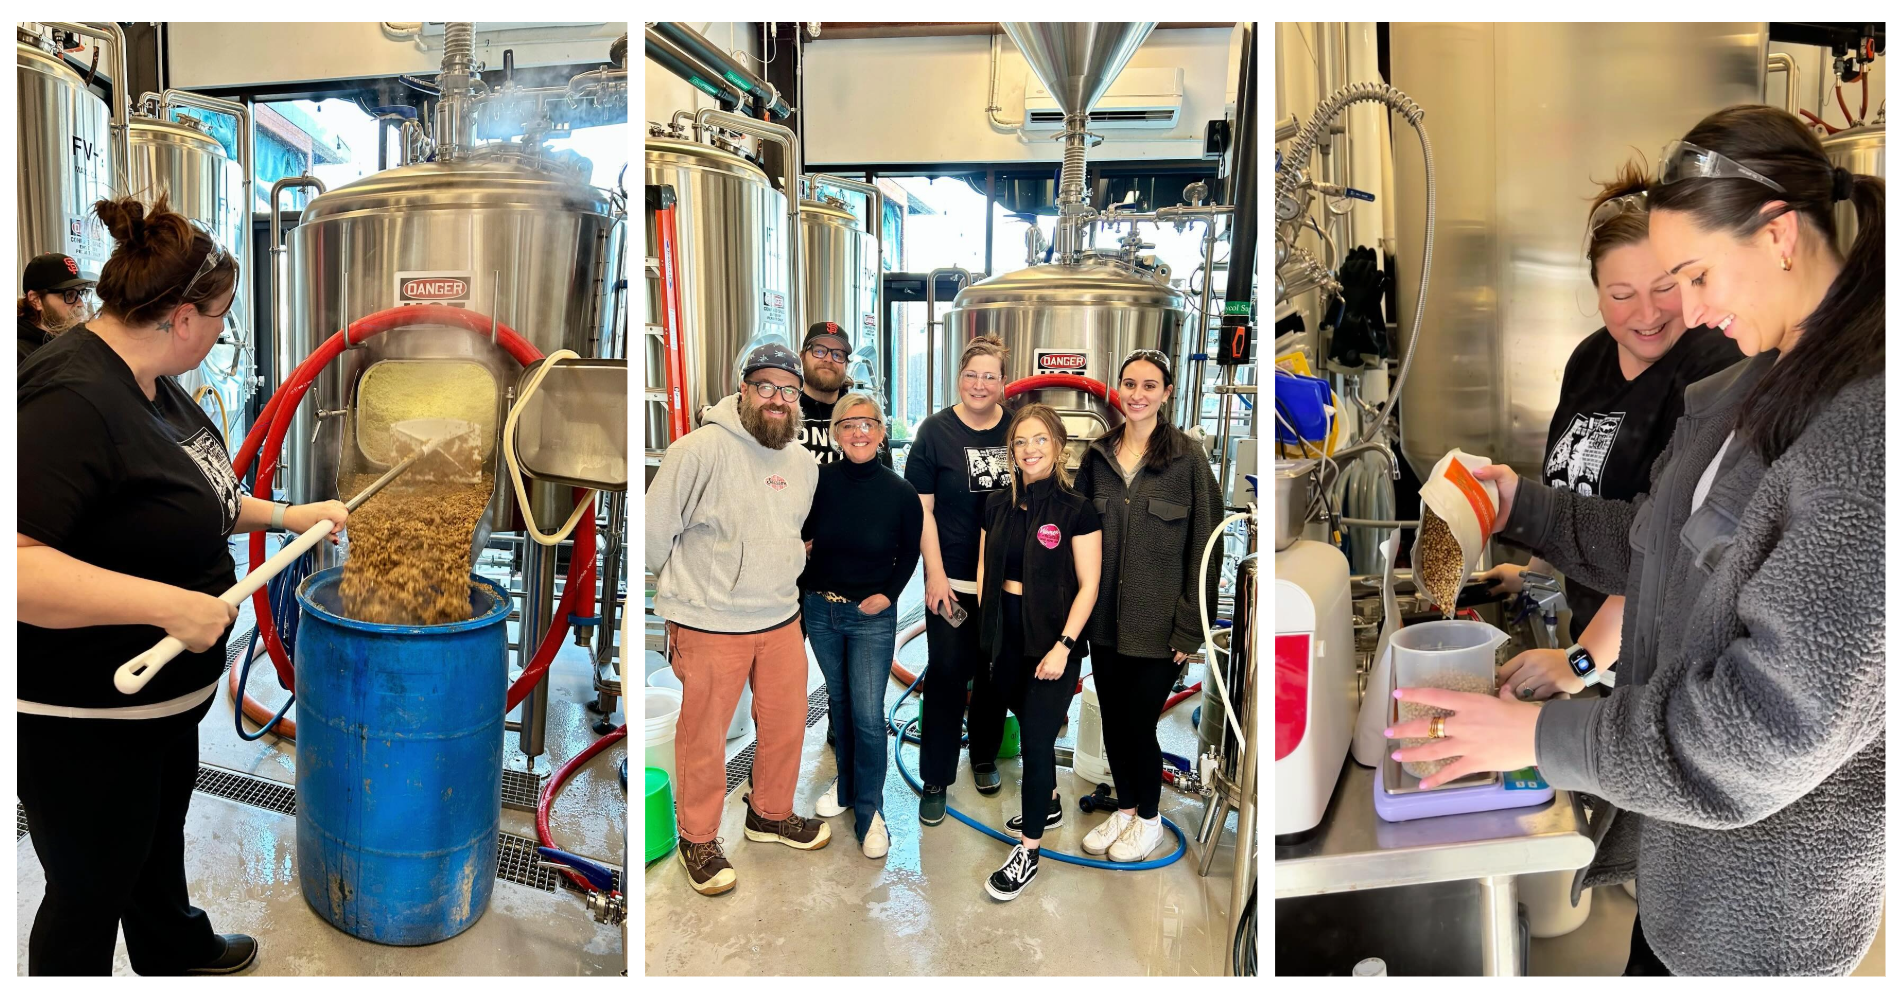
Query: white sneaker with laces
{"type": "Point", "coordinates": [1099, 839]}
{"type": "Point", "coordinates": [1137, 842]}
{"type": "Point", "coordinates": [828, 805]}
{"type": "Point", "coordinates": [877, 841]}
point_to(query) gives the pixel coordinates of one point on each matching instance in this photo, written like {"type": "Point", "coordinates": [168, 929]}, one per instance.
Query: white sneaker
{"type": "Point", "coordinates": [1137, 842]}
{"type": "Point", "coordinates": [1099, 839]}
{"type": "Point", "coordinates": [877, 842]}
{"type": "Point", "coordinates": [828, 803]}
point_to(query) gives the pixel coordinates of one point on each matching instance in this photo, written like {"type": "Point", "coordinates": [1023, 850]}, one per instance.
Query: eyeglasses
{"type": "Point", "coordinates": [859, 425]}
{"type": "Point", "coordinates": [1159, 359]}
{"type": "Point", "coordinates": [1616, 207]}
{"type": "Point", "coordinates": [980, 377]}
{"type": "Point", "coordinates": [1683, 161]}
{"type": "Point", "coordinates": [767, 390]}
{"type": "Point", "coordinates": [73, 296]}
{"type": "Point", "coordinates": [827, 353]}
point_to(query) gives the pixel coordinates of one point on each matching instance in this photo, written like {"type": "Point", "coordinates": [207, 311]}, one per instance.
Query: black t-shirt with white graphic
{"type": "Point", "coordinates": [1608, 430]}
{"type": "Point", "coordinates": [135, 486]}
{"type": "Point", "coordinates": [814, 432]}
{"type": "Point", "coordinates": [961, 467]}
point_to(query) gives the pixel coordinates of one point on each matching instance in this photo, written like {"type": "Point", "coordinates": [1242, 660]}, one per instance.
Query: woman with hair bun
{"type": "Point", "coordinates": [127, 502]}
{"type": "Point", "coordinates": [1740, 762]}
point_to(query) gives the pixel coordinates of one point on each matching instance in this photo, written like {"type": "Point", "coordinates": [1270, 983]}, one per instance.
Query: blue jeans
{"type": "Point", "coordinates": [854, 651]}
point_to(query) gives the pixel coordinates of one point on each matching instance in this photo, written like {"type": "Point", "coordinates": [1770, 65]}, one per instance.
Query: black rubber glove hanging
{"type": "Point", "coordinates": [1359, 319]}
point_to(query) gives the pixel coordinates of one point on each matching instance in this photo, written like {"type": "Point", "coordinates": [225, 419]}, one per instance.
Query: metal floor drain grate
{"type": "Point", "coordinates": [520, 789]}
{"type": "Point", "coordinates": [273, 795]}
{"type": "Point", "coordinates": [739, 768]}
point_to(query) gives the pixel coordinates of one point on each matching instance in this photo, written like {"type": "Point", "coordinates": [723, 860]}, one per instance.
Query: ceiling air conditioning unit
{"type": "Point", "coordinates": [1139, 98]}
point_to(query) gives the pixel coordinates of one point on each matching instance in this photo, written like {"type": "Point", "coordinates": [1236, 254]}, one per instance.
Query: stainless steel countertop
{"type": "Point", "coordinates": [1354, 849]}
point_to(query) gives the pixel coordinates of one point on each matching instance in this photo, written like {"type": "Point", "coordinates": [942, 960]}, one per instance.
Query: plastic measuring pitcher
{"type": "Point", "coordinates": [1455, 655]}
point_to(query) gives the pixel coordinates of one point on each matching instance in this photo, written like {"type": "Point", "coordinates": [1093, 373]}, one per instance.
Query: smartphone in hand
{"type": "Point", "coordinates": [956, 616]}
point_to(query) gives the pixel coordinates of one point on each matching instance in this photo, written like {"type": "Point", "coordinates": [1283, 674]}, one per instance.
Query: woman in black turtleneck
{"type": "Point", "coordinates": [864, 531]}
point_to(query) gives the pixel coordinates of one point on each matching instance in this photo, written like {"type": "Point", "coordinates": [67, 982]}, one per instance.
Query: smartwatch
{"type": "Point", "coordinates": [277, 511]}
{"type": "Point", "coordinates": [1068, 642]}
{"type": "Point", "coordinates": [1582, 664]}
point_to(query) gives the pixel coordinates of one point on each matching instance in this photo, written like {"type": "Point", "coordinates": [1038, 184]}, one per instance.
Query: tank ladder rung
{"type": "Point", "coordinates": [653, 266]}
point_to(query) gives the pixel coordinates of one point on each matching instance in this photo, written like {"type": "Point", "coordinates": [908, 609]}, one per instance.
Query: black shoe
{"type": "Point", "coordinates": [240, 953]}
{"type": "Point", "coordinates": [932, 809]}
{"type": "Point", "coordinates": [1014, 827]}
{"type": "Point", "coordinates": [988, 778]}
{"type": "Point", "coordinates": [1008, 882]}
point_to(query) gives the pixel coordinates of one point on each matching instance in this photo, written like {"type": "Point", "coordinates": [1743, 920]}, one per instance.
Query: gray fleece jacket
{"type": "Point", "coordinates": [1739, 765]}
{"type": "Point", "coordinates": [724, 516]}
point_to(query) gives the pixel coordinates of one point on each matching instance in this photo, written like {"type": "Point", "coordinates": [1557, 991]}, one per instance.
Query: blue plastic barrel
{"type": "Point", "coordinates": [399, 748]}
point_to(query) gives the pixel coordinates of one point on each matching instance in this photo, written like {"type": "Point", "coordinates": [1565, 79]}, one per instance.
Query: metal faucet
{"type": "Point", "coordinates": [1540, 601]}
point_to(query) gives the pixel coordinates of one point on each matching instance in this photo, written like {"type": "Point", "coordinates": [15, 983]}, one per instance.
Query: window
{"type": "Point", "coordinates": [331, 140]}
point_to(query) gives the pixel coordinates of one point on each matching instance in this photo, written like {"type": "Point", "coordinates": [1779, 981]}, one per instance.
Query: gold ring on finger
{"type": "Point", "coordinates": [1436, 728]}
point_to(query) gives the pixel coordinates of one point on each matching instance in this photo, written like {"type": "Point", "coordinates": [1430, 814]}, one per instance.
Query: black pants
{"type": "Point", "coordinates": [105, 804]}
{"type": "Point", "coordinates": [956, 660]}
{"type": "Point", "coordinates": [1041, 708]}
{"type": "Point", "coordinates": [1643, 960]}
{"type": "Point", "coordinates": [1132, 691]}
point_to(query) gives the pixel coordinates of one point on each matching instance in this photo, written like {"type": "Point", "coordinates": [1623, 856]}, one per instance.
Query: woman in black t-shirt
{"type": "Point", "coordinates": [1621, 397]}
{"type": "Point", "coordinates": [127, 502]}
{"type": "Point", "coordinates": [958, 459]}
{"type": "Point", "coordinates": [1039, 567]}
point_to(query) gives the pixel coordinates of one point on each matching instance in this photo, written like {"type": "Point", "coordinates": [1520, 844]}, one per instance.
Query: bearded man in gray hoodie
{"type": "Point", "coordinates": [723, 522]}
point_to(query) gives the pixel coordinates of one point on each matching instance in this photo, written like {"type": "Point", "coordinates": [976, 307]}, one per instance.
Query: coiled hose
{"type": "Point", "coordinates": [1302, 150]}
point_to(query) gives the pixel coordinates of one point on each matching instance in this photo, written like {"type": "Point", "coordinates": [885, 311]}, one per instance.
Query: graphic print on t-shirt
{"type": "Point", "coordinates": [208, 454]}
{"type": "Point", "coordinates": [1576, 459]}
{"type": "Point", "coordinates": [989, 468]}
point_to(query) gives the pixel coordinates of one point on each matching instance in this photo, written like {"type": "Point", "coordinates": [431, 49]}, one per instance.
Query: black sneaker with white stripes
{"type": "Point", "coordinates": [1014, 825]}
{"type": "Point", "coordinates": [1008, 882]}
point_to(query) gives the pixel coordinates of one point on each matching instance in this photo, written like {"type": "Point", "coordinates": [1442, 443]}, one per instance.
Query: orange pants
{"type": "Point", "coordinates": [713, 670]}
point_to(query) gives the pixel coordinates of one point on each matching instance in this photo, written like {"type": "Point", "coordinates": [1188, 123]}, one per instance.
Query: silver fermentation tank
{"type": "Point", "coordinates": [69, 157]}
{"type": "Point", "coordinates": [1525, 120]}
{"type": "Point", "coordinates": [733, 277]}
{"type": "Point", "coordinates": [1084, 311]}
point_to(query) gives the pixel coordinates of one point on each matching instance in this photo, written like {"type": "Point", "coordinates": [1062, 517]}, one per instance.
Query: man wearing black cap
{"type": "Point", "coordinates": [724, 521]}
{"type": "Point", "coordinates": [55, 298]}
{"type": "Point", "coordinates": [824, 355]}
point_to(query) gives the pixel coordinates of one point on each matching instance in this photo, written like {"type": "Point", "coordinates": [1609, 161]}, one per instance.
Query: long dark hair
{"type": "Point", "coordinates": [1844, 339]}
{"type": "Point", "coordinates": [157, 253]}
{"type": "Point", "coordinates": [1168, 442]}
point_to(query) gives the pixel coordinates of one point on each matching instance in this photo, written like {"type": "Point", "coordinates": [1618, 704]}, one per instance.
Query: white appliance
{"type": "Point", "coordinates": [1315, 687]}
{"type": "Point", "coordinates": [1139, 98]}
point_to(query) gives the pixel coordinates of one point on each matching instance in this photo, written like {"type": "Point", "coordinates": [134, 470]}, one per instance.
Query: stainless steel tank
{"type": "Point", "coordinates": [66, 163]}
{"type": "Point", "coordinates": [839, 270]}
{"type": "Point", "coordinates": [1862, 150]}
{"type": "Point", "coordinates": [525, 241]}
{"type": "Point", "coordinates": [1054, 318]}
{"type": "Point", "coordinates": [191, 169]}
{"type": "Point", "coordinates": [733, 277]}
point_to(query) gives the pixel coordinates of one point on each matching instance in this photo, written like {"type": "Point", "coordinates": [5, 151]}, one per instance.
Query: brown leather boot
{"type": "Point", "coordinates": [706, 867]}
{"type": "Point", "coordinates": [792, 831]}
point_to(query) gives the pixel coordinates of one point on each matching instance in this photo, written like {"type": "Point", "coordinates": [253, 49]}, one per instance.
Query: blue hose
{"type": "Point", "coordinates": [281, 594]}
{"type": "Point", "coordinates": [905, 735]}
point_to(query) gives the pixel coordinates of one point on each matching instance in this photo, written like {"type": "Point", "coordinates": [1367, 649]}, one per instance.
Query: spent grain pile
{"type": "Point", "coordinates": [409, 551]}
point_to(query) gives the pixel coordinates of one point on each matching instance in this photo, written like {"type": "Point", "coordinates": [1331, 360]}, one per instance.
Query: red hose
{"type": "Point", "coordinates": [1181, 696]}
{"type": "Point", "coordinates": [274, 423]}
{"type": "Point", "coordinates": [1082, 382]}
{"type": "Point", "coordinates": [553, 788]}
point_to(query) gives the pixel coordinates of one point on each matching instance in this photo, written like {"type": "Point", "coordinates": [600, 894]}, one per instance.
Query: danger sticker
{"type": "Point", "coordinates": [1058, 362]}
{"type": "Point", "coordinates": [448, 288]}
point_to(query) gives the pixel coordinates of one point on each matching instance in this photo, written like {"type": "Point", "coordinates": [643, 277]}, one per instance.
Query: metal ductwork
{"type": "Point", "coordinates": [764, 96]}
{"type": "Point", "coordinates": [454, 115]}
{"type": "Point", "coordinates": [680, 63]}
{"type": "Point", "coordinates": [1076, 61]}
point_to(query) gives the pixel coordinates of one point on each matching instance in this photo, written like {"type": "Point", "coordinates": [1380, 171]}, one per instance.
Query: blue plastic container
{"type": "Point", "coordinates": [399, 749]}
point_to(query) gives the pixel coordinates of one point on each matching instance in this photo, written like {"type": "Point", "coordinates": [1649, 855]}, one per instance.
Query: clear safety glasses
{"type": "Point", "coordinates": [1683, 161]}
{"type": "Point", "coordinates": [1615, 207]}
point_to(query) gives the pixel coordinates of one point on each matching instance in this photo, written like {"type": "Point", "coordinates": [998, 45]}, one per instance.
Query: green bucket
{"type": "Point", "coordinates": [662, 834]}
{"type": "Point", "coordinates": [1012, 745]}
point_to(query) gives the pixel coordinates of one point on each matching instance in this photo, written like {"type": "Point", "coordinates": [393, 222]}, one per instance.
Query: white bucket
{"type": "Point", "coordinates": [662, 715]}
{"type": "Point", "coordinates": [1091, 760]}
{"type": "Point", "coordinates": [1546, 898]}
{"type": "Point", "coordinates": [741, 716]}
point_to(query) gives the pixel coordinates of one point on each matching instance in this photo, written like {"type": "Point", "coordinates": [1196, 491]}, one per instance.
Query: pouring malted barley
{"type": "Point", "coordinates": [1457, 513]}
{"type": "Point", "coordinates": [1441, 568]}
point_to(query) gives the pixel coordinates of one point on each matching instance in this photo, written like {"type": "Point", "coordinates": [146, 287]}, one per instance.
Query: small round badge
{"type": "Point", "coordinates": [1049, 535]}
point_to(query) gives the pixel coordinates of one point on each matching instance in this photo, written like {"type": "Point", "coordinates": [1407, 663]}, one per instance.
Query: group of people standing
{"type": "Point", "coordinates": [1029, 570]}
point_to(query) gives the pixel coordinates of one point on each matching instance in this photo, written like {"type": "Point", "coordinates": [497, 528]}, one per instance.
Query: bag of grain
{"type": "Point", "coordinates": [1457, 514]}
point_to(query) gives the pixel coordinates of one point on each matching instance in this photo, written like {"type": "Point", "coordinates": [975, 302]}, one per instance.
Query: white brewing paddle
{"type": "Point", "coordinates": [139, 671]}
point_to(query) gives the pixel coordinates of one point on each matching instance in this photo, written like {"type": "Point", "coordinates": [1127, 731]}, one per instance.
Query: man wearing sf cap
{"type": "Point", "coordinates": [724, 522]}
{"type": "Point", "coordinates": [54, 298]}
{"type": "Point", "coordinates": [824, 355]}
